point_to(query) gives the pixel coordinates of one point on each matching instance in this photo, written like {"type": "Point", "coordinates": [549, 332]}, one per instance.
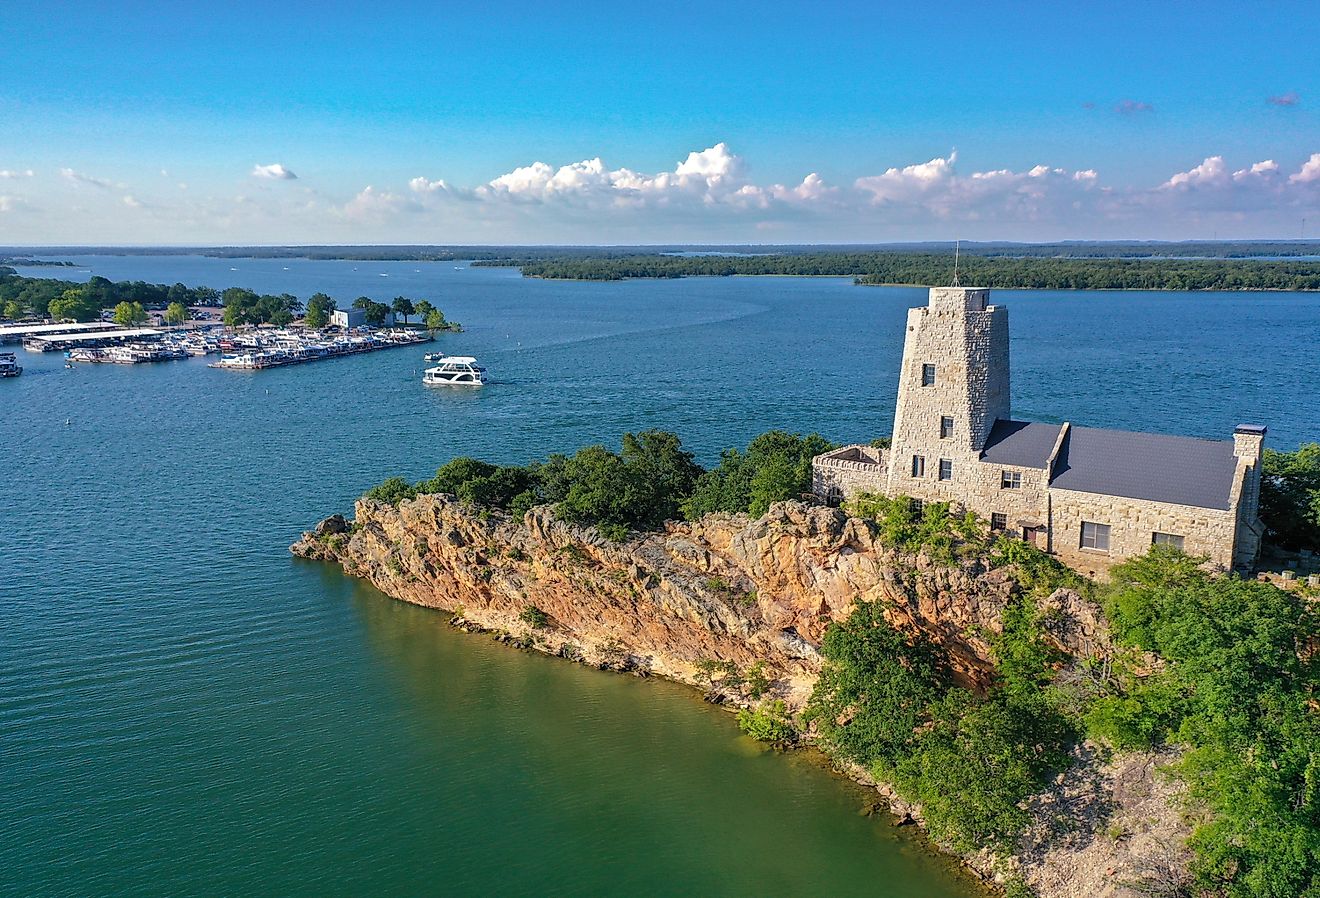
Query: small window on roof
{"type": "Point", "coordinates": [928, 375]}
{"type": "Point", "coordinates": [1166, 539]}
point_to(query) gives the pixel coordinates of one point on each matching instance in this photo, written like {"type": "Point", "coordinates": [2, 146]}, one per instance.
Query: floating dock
{"type": "Point", "coordinates": [278, 349]}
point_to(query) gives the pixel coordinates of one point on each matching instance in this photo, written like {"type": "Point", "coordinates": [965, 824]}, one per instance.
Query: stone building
{"type": "Point", "coordinates": [1092, 497]}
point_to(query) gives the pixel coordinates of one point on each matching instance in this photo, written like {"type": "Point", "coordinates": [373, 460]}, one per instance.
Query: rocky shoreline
{"type": "Point", "coordinates": [703, 603]}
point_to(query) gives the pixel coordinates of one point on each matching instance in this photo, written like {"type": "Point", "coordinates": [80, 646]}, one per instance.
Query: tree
{"type": "Point", "coordinates": [76, 304]}
{"type": "Point", "coordinates": [435, 320]}
{"type": "Point", "coordinates": [176, 313]}
{"type": "Point", "coordinates": [422, 308]}
{"type": "Point", "coordinates": [319, 307]}
{"type": "Point", "coordinates": [1290, 497]}
{"type": "Point", "coordinates": [665, 473]}
{"type": "Point", "coordinates": [128, 314]}
{"type": "Point", "coordinates": [403, 307]}
{"type": "Point", "coordinates": [14, 309]}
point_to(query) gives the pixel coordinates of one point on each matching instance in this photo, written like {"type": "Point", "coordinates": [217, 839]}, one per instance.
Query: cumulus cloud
{"type": "Point", "coordinates": [1289, 99]}
{"type": "Point", "coordinates": [1309, 172]}
{"type": "Point", "coordinates": [275, 172]}
{"type": "Point", "coordinates": [1211, 171]}
{"type": "Point", "coordinates": [10, 174]}
{"type": "Point", "coordinates": [75, 177]}
{"type": "Point", "coordinates": [712, 194]}
{"type": "Point", "coordinates": [1133, 107]}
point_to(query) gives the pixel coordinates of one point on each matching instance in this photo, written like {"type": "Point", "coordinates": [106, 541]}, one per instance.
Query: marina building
{"type": "Point", "coordinates": [1091, 496]}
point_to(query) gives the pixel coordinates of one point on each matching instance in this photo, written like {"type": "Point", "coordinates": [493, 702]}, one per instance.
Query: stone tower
{"type": "Point", "coordinates": [952, 386]}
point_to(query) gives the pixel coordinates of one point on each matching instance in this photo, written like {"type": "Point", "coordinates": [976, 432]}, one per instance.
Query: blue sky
{"type": "Point", "coordinates": [149, 122]}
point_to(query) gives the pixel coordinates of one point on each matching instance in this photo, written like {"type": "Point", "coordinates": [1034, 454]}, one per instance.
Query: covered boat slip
{"type": "Point", "coordinates": [54, 342]}
{"type": "Point", "coordinates": [16, 333]}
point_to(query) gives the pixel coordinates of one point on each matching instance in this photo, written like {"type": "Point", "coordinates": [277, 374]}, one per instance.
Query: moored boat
{"type": "Point", "coordinates": [9, 366]}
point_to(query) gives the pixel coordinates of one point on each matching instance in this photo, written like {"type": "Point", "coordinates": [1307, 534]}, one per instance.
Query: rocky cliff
{"type": "Point", "coordinates": [706, 603]}
{"type": "Point", "coordinates": [725, 589]}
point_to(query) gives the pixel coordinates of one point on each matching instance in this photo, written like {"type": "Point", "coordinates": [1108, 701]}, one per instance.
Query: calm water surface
{"type": "Point", "coordinates": [185, 709]}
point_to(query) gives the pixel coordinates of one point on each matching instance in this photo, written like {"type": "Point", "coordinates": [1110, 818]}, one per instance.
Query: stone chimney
{"type": "Point", "coordinates": [1249, 446]}
{"type": "Point", "coordinates": [1249, 442]}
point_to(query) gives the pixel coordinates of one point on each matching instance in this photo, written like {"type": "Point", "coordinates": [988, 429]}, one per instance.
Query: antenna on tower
{"type": "Point", "coordinates": [957, 245]}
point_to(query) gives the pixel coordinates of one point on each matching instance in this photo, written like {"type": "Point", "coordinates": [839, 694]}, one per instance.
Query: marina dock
{"type": "Point", "coordinates": [258, 350]}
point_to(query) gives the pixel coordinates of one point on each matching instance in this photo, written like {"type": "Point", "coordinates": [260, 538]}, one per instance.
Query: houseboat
{"type": "Point", "coordinates": [9, 366]}
{"type": "Point", "coordinates": [456, 371]}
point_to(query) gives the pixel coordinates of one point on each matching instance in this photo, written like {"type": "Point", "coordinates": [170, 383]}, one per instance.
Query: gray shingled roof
{"type": "Point", "coordinates": [1021, 443]}
{"type": "Point", "coordinates": [1179, 470]}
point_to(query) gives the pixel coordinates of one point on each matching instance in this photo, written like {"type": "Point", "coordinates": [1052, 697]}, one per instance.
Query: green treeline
{"type": "Point", "coordinates": [873, 268]}
{"type": "Point", "coordinates": [651, 480]}
{"type": "Point", "coordinates": [22, 297]}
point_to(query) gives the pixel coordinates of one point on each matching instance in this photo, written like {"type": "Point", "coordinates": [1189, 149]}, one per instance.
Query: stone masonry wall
{"type": "Point", "coordinates": [1206, 531]}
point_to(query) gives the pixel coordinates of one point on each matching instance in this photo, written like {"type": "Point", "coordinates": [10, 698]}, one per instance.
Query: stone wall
{"type": "Point", "coordinates": [1132, 522]}
{"type": "Point", "coordinates": [846, 472]}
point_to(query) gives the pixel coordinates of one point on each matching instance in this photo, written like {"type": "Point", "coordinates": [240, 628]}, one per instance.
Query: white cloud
{"type": "Point", "coordinates": [1309, 172]}
{"type": "Point", "coordinates": [1263, 169]}
{"type": "Point", "coordinates": [79, 178]}
{"type": "Point", "coordinates": [710, 195]}
{"type": "Point", "coordinates": [1212, 171]}
{"type": "Point", "coordinates": [9, 203]}
{"type": "Point", "coordinates": [275, 172]}
{"type": "Point", "coordinates": [9, 174]}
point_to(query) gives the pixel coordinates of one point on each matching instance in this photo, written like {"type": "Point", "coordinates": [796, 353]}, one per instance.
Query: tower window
{"type": "Point", "coordinates": [918, 466]}
{"type": "Point", "coordinates": [946, 469]}
{"type": "Point", "coordinates": [928, 375]}
{"type": "Point", "coordinates": [1095, 536]}
{"type": "Point", "coordinates": [946, 428]}
{"type": "Point", "coordinates": [1010, 480]}
{"type": "Point", "coordinates": [998, 521]}
{"type": "Point", "coordinates": [1166, 539]}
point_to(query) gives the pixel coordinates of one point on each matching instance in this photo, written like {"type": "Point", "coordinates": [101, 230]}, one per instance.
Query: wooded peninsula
{"type": "Point", "coordinates": [899, 268]}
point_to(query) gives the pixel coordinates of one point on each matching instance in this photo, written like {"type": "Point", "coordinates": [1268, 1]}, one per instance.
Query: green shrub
{"type": "Point", "coordinates": [394, 490]}
{"type": "Point", "coordinates": [775, 466]}
{"type": "Point", "coordinates": [885, 700]}
{"type": "Point", "coordinates": [1290, 497]}
{"type": "Point", "coordinates": [767, 723]}
{"type": "Point", "coordinates": [454, 473]}
{"type": "Point", "coordinates": [935, 530]}
{"type": "Point", "coordinates": [534, 617]}
{"type": "Point", "coordinates": [1238, 689]}
{"type": "Point", "coordinates": [757, 682]}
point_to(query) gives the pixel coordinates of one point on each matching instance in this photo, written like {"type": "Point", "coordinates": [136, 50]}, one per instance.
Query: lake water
{"type": "Point", "coordinates": [186, 709]}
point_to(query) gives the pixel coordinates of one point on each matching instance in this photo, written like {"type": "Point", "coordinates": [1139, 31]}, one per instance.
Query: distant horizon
{"type": "Point", "coordinates": [949, 244]}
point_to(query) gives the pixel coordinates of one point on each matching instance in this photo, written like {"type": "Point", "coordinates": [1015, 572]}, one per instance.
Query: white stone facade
{"type": "Point", "coordinates": [954, 387]}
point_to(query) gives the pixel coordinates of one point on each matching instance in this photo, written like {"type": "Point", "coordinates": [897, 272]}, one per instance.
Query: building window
{"type": "Point", "coordinates": [917, 506]}
{"type": "Point", "coordinates": [1095, 536]}
{"type": "Point", "coordinates": [998, 521]}
{"type": "Point", "coordinates": [1010, 480]}
{"type": "Point", "coordinates": [946, 469]}
{"type": "Point", "coordinates": [918, 466]}
{"type": "Point", "coordinates": [946, 428]}
{"type": "Point", "coordinates": [928, 375]}
{"type": "Point", "coordinates": [834, 496]}
{"type": "Point", "coordinates": [1166, 539]}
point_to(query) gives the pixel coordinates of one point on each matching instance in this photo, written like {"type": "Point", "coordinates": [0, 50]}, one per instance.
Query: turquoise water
{"type": "Point", "coordinates": [185, 709]}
